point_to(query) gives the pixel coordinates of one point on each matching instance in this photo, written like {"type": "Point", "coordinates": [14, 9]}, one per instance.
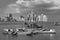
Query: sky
{"type": "Point", "coordinates": [51, 8]}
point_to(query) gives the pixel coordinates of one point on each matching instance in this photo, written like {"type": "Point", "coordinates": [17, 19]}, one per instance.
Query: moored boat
{"type": "Point", "coordinates": [51, 31]}
{"type": "Point", "coordinates": [7, 31]}
{"type": "Point", "coordinates": [23, 31]}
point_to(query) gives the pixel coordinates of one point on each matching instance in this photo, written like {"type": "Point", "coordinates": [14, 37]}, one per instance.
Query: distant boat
{"type": "Point", "coordinates": [23, 31]}
{"type": "Point", "coordinates": [7, 31]}
{"type": "Point", "coordinates": [18, 31]}
{"type": "Point", "coordinates": [57, 24]}
{"type": "Point", "coordinates": [51, 31]}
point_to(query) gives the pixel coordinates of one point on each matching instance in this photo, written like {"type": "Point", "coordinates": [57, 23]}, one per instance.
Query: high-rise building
{"type": "Point", "coordinates": [45, 18]}
{"type": "Point", "coordinates": [42, 17]}
{"type": "Point", "coordinates": [31, 17]}
{"type": "Point", "coordinates": [38, 18]}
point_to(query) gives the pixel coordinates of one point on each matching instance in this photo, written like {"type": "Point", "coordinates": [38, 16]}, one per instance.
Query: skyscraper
{"type": "Point", "coordinates": [41, 17]}
{"type": "Point", "coordinates": [38, 18]}
{"type": "Point", "coordinates": [45, 18]}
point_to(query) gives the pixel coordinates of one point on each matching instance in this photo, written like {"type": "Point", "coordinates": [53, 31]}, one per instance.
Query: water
{"type": "Point", "coordinates": [34, 37]}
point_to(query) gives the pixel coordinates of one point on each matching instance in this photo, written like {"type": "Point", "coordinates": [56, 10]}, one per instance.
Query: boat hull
{"type": "Point", "coordinates": [23, 33]}
{"type": "Point", "coordinates": [5, 31]}
{"type": "Point", "coordinates": [44, 32]}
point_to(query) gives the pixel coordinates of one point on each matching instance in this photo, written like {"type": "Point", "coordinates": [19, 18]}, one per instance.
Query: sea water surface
{"type": "Point", "coordinates": [34, 37]}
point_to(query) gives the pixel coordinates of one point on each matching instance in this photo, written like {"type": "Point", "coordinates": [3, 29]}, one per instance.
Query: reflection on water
{"type": "Point", "coordinates": [52, 36]}
{"type": "Point", "coordinates": [34, 37]}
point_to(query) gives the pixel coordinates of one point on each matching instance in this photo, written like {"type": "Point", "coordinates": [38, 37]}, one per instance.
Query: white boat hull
{"type": "Point", "coordinates": [45, 32]}
{"type": "Point", "coordinates": [23, 33]}
{"type": "Point", "coordinates": [5, 31]}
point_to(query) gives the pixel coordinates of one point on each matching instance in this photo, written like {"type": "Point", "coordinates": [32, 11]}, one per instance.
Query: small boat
{"type": "Point", "coordinates": [7, 31]}
{"type": "Point", "coordinates": [51, 31]}
{"type": "Point", "coordinates": [23, 31]}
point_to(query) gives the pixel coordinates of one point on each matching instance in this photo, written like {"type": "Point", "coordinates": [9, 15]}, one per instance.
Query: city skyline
{"type": "Point", "coordinates": [53, 13]}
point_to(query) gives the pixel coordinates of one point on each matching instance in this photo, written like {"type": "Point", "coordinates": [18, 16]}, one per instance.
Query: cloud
{"type": "Point", "coordinates": [56, 4]}
{"type": "Point", "coordinates": [54, 8]}
{"type": "Point", "coordinates": [21, 6]}
{"type": "Point", "coordinates": [12, 9]}
{"type": "Point", "coordinates": [32, 2]}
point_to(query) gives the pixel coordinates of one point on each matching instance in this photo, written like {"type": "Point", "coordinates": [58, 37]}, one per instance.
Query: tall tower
{"type": "Point", "coordinates": [31, 15]}
{"type": "Point", "coordinates": [41, 17]}
{"type": "Point", "coordinates": [45, 19]}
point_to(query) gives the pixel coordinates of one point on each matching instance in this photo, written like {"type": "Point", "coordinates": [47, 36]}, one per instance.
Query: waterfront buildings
{"type": "Point", "coordinates": [43, 18]}
{"type": "Point", "coordinates": [10, 18]}
{"type": "Point", "coordinates": [22, 18]}
{"type": "Point", "coordinates": [32, 17]}
{"type": "Point", "coordinates": [39, 18]}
